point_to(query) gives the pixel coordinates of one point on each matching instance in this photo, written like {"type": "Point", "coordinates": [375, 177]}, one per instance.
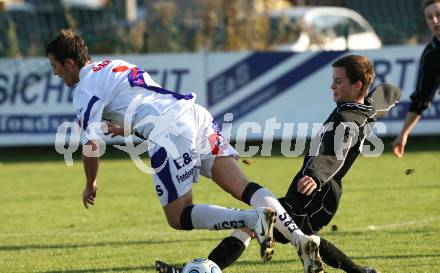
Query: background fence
{"type": "Point", "coordinates": [140, 26]}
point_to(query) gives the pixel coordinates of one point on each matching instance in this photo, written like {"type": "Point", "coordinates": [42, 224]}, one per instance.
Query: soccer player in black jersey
{"type": "Point", "coordinates": [428, 79]}
{"type": "Point", "coordinates": [313, 196]}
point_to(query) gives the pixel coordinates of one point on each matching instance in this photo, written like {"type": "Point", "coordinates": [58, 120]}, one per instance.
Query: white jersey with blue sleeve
{"type": "Point", "coordinates": [183, 138]}
{"type": "Point", "coordinates": [122, 93]}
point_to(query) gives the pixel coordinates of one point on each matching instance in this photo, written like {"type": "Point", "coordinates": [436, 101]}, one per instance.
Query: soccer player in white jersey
{"type": "Point", "coordinates": [184, 142]}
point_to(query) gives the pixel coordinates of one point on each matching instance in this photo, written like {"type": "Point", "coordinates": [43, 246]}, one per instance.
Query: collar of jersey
{"type": "Point", "coordinates": [84, 70]}
{"type": "Point", "coordinates": [435, 42]}
{"type": "Point", "coordinates": [354, 105]}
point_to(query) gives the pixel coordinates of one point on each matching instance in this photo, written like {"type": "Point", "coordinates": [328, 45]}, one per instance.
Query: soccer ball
{"type": "Point", "coordinates": [201, 265]}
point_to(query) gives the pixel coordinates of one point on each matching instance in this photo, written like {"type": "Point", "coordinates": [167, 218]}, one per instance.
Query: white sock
{"type": "Point", "coordinates": [219, 218]}
{"type": "Point", "coordinates": [284, 223]}
{"type": "Point", "coordinates": [242, 236]}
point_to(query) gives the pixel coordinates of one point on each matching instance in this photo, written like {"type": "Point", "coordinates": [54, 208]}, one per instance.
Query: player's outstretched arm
{"type": "Point", "coordinates": [400, 142]}
{"type": "Point", "coordinates": [89, 195]}
{"type": "Point", "coordinates": [91, 164]}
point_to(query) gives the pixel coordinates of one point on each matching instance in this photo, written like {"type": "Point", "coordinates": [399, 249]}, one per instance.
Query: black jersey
{"type": "Point", "coordinates": [332, 155]}
{"type": "Point", "coordinates": [428, 80]}
{"type": "Point", "coordinates": [327, 162]}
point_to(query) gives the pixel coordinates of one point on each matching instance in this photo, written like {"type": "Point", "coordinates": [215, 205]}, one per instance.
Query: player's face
{"type": "Point", "coordinates": [343, 89]}
{"type": "Point", "coordinates": [432, 16]}
{"type": "Point", "coordinates": [68, 71]}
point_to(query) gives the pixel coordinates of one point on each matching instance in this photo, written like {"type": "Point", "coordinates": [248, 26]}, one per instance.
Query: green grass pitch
{"type": "Point", "coordinates": [387, 219]}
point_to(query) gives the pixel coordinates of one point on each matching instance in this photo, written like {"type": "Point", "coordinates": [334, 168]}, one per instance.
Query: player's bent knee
{"type": "Point", "coordinates": [176, 209]}
{"type": "Point", "coordinates": [182, 221]}
{"type": "Point", "coordinates": [174, 222]}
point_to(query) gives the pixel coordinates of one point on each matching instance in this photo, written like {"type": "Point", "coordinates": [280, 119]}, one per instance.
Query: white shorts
{"type": "Point", "coordinates": [186, 150]}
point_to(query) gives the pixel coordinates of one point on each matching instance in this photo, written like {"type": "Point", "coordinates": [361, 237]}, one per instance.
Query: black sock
{"type": "Point", "coordinates": [336, 258]}
{"type": "Point", "coordinates": [227, 252]}
{"type": "Point", "coordinates": [279, 238]}
{"type": "Point", "coordinates": [249, 191]}
{"type": "Point", "coordinates": [185, 218]}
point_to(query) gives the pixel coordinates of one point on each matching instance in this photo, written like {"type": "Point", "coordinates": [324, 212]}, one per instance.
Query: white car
{"type": "Point", "coordinates": [321, 28]}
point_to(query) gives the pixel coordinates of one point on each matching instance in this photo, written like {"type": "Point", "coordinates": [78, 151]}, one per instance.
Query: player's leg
{"type": "Point", "coordinates": [330, 254]}
{"type": "Point", "coordinates": [334, 257]}
{"type": "Point", "coordinates": [173, 182]}
{"type": "Point", "coordinates": [225, 254]}
{"type": "Point", "coordinates": [176, 165]}
{"type": "Point", "coordinates": [218, 161]}
{"type": "Point", "coordinates": [234, 182]}
{"type": "Point", "coordinates": [322, 209]}
{"type": "Point", "coordinates": [232, 247]}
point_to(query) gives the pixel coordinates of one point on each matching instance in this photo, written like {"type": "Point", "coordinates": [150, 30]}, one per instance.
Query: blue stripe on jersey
{"type": "Point", "coordinates": [164, 175]}
{"type": "Point", "coordinates": [136, 78]}
{"type": "Point", "coordinates": [88, 109]}
{"type": "Point", "coordinates": [164, 91]}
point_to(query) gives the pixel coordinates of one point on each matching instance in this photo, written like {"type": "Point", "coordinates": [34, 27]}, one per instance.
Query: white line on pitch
{"type": "Point", "coordinates": [407, 223]}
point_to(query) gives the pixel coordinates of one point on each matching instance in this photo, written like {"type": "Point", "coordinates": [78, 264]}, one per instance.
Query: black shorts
{"type": "Point", "coordinates": [310, 215]}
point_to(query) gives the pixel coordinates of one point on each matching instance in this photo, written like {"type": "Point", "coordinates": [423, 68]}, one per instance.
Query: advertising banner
{"type": "Point", "coordinates": [257, 95]}
{"type": "Point", "coordinates": [265, 94]}
{"type": "Point", "coordinates": [34, 102]}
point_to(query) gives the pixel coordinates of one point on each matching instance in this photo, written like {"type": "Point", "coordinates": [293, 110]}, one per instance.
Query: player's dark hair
{"type": "Point", "coordinates": [427, 3]}
{"type": "Point", "coordinates": [358, 68]}
{"type": "Point", "coordinates": [68, 45]}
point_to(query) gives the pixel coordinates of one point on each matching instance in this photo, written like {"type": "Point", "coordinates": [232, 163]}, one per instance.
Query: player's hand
{"type": "Point", "coordinates": [89, 195]}
{"type": "Point", "coordinates": [114, 130]}
{"type": "Point", "coordinates": [306, 185]}
{"type": "Point", "coordinates": [399, 145]}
